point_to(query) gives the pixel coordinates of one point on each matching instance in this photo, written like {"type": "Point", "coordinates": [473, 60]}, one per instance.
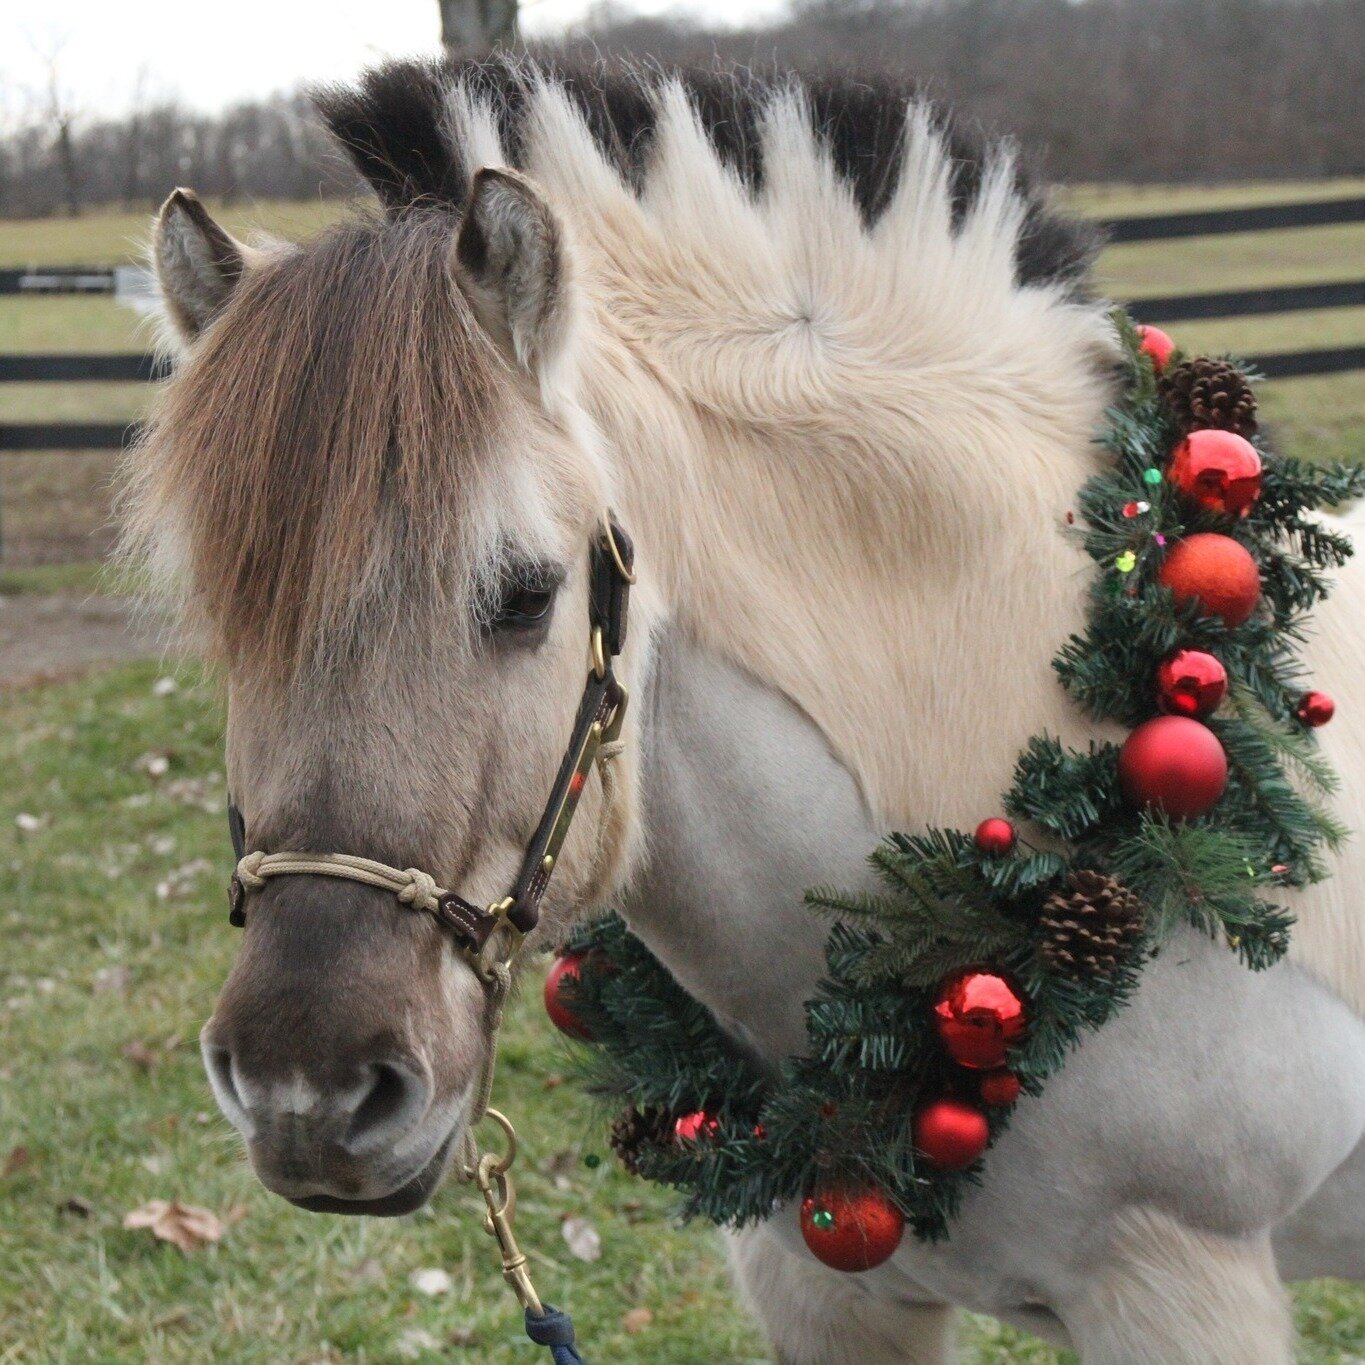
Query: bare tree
{"type": "Point", "coordinates": [475, 26]}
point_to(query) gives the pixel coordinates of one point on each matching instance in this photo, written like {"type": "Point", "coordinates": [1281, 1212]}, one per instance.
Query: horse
{"type": "Point", "coordinates": [836, 365]}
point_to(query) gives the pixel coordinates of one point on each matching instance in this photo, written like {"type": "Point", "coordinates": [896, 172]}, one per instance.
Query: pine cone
{"type": "Point", "coordinates": [1090, 927]}
{"type": "Point", "coordinates": [1210, 393]}
{"type": "Point", "coordinates": [634, 1129]}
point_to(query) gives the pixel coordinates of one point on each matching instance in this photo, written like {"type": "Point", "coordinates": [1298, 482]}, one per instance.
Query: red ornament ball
{"type": "Point", "coordinates": [1191, 683]}
{"type": "Point", "coordinates": [1217, 573]}
{"type": "Point", "coordinates": [567, 967]}
{"type": "Point", "coordinates": [1316, 708]}
{"type": "Point", "coordinates": [1153, 342]}
{"type": "Point", "coordinates": [999, 1088]}
{"type": "Point", "coordinates": [950, 1134]}
{"type": "Point", "coordinates": [995, 837]}
{"type": "Point", "coordinates": [695, 1127]}
{"type": "Point", "coordinates": [1175, 765]}
{"type": "Point", "coordinates": [1218, 470]}
{"type": "Point", "coordinates": [978, 1014]}
{"type": "Point", "coordinates": [851, 1230]}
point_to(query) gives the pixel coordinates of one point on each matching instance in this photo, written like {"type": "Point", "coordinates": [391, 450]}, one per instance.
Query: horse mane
{"type": "Point", "coordinates": [314, 451]}
{"type": "Point", "coordinates": [397, 125]}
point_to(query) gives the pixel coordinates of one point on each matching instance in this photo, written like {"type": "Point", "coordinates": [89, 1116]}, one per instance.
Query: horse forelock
{"type": "Point", "coordinates": [319, 449]}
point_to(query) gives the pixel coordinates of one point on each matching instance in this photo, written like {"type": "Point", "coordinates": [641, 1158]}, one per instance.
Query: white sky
{"type": "Point", "coordinates": [210, 54]}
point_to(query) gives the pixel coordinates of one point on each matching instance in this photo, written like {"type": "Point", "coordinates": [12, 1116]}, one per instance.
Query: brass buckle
{"type": "Point", "coordinates": [499, 1194]}
{"type": "Point", "coordinates": [599, 654]}
{"type": "Point", "coordinates": [498, 948]}
{"type": "Point", "coordinates": [609, 532]}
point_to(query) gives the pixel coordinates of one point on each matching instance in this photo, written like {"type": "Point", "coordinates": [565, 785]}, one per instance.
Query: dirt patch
{"type": "Point", "coordinates": [57, 635]}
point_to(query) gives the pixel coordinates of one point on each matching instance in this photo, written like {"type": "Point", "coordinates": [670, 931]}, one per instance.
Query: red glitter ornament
{"type": "Point", "coordinates": [1153, 342]}
{"type": "Point", "coordinates": [567, 967]}
{"type": "Point", "coordinates": [978, 1014]}
{"type": "Point", "coordinates": [1218, 470]}
{"type": "Point", "coordinates": [950, 1134]}
{"type": "Point", "coordinates": [1175, 765]}
{"type": "Point", "coordinates": [695, 1127]}
{"type": "Point", "coordinates": [851, 1230]}
{"type": "Point", "coordinates": [995, 837]}
{"type": "Point", "coordinates": [1191, 683]}
{"type": "Point", "coordinates": [1216, 572]}
{"type": "Point", "coordinates": [999, 1088]}
{"type": "Point", "coordinates": [1316, 708]}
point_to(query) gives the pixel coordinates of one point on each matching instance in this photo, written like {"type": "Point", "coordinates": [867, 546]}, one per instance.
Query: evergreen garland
{"type": "Point", "coordinates": [843, 1113]}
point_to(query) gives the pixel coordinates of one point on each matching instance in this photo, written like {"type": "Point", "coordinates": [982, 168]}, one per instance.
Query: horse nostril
{"type": "Point", "coordinates": [218, 1064]}
{"type": "Point", "coordinates": [394, 1104]}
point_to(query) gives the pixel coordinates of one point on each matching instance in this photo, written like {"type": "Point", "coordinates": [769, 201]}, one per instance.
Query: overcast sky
{"type": "Point", "coordinates": [211, 54]}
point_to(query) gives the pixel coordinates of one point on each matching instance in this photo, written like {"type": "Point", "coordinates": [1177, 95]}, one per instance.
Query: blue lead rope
{"type": "Point", "coordinates": [555, 1330]}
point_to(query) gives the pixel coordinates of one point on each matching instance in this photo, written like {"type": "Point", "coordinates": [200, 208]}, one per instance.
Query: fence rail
{"type": "Point", "coordinates": [133, 281]}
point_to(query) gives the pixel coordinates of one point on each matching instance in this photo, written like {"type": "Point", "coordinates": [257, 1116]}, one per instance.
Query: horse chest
{"type": "Point", "coordinates": [1192, 1101]}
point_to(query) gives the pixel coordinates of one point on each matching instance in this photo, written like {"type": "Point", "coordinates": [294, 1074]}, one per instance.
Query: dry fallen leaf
{"type": "Point", "coordinates": [636, 1320]}
{"type": "Point", "coordinates": [164, 687]}
{"type": "Point", "coordinates": [582, 1238]}
{"type": "Point", "coordinates": [431, 1281]}
{"type": "Point", "coordinates": [29, 823]}
{"type": "Point", "coordinates": [184, 1225]}
{"type": "Point", "coordinates": [416, 1342]}
{"type": "Point", "coordinates": [462, 1336]}
{"type": "Point", "coordinates": [18, 1158]}
{"type": "Point", "coordinates": [111, 979]}
{"type": "Point", "coordinates": [141, 1056]}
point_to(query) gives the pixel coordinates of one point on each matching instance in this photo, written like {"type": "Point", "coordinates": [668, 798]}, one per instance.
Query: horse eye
{"type": "Point", "coordinates": [524, 605]}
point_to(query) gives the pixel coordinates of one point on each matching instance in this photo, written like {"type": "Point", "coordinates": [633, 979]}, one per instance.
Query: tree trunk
{"type": "Point", "coordinates": [476, 26]}
{"type": "Point", "coordinates": [66, 160]}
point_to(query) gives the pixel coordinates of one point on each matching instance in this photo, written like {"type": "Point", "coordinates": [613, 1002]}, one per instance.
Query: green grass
{"type": "Point", "coordinates": [79, 912]}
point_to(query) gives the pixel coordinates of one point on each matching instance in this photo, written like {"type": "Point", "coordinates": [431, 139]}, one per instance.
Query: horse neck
{"type": "Point", "coordinates": [893, 557]}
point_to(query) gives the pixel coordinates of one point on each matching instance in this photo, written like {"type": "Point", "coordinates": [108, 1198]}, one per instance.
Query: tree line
{"type": "Point", "coordinates": [1137, 90]}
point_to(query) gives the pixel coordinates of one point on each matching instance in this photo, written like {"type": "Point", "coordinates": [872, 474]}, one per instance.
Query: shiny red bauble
{"type": "Point", "coordinates": [950, 1134]}
{"type": "Point", "coordinates": [999, 1088]}
{"type": "Point", "coordinates": [1218, 471]}
{"type": "Point", "coordinates": [567, 967]}
{"type": "Point", "coordinates": [851, 1230]}
{"type": "Point", "coordinates": [696, 1127]}
{"type": "Point", "coordinates": [1217, 573]}
{"type": "Point", "coordinates": [1316, 708]}
{"type": "Point", "coordinates": [1191, 683]}
{"type": "Point", "coordinates": [995, 837]}
{"type": "Point", "coordinates": [978, 1014]}
{"type": "Point", "coordinates": [1175, 765]}
{"type": "Point", "coordinates": [1152, 341]}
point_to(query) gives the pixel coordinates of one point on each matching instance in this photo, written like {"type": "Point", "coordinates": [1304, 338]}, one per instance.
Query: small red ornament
{"type": "Point", "coordinates": [999, 1088]}
{"type": "Point", "coordinates": [567, 967]}
{"type": "Point", "coordinates": [1157, 344]}
{"type": "Point", "coordinates": [1216, 572]}
{"type": "Point", "coordinates": [978, 1014]}
{"type": "Point", "coordinates": [950, 1134]}
{"type": "Point", "coordinates": [1191, 683]}
{"type": "Point", "coordinates": [995, 837]}
{"type": "Point", "coordinates": [760, 1132]}
{"type": "Point", "coordinates": [695, 1127]}
{"type": "Point", "coordinates": [851, 1230]}
{"type": "Point", "coordinates": [1316, 708]}
{"type": "Point", "coordinates": [1218, 470]}
{"type": "Point", "coordinates": [1175, 765]}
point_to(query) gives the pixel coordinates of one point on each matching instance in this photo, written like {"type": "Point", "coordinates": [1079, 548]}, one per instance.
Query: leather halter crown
{"type": "Point", "coordinates": [601, 714]}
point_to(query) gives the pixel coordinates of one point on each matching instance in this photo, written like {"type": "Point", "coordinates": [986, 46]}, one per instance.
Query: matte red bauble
{"type": "Point", "coordinates": [694, 1127]}
{"type": "Point", "coordinates": [1152, 341]}
{"type": "Point", "coordinates": [1174, 765]}
{"type": "Point", "coordinates": [851, 1229]}
{"type": "Point", "coordinates": [1191, 683]}
{"type": "Point", "coordinates": [567, 967]}
{"type": "Point", "coordinates": [999, 1088]}
{"type": "Point", "coordinates": [1218, 470]}
{"type": "Point", "coordinates": [950, 1134]}
{"type": "Point", "coordinates": [1216, 572]}
{"type": "Point", "coordinates": [995, 837]}
{"type": "Point", "coordinates": [1316, 708]}
{"type": "Point", "coordinates": [978, 1014]}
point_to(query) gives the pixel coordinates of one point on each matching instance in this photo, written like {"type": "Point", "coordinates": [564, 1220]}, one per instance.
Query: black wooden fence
{"type": "Point", "coordinates": [1147, 228]}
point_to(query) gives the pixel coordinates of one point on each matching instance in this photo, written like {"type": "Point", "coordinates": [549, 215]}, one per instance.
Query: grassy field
{"type": "Point", "coordinates": [116, 939]}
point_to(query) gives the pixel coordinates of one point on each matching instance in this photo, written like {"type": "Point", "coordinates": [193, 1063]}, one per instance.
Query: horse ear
{"type": "Point", "coordinates": [511, 259]}
{"type": "Point", "coordinates": [197, 263]}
